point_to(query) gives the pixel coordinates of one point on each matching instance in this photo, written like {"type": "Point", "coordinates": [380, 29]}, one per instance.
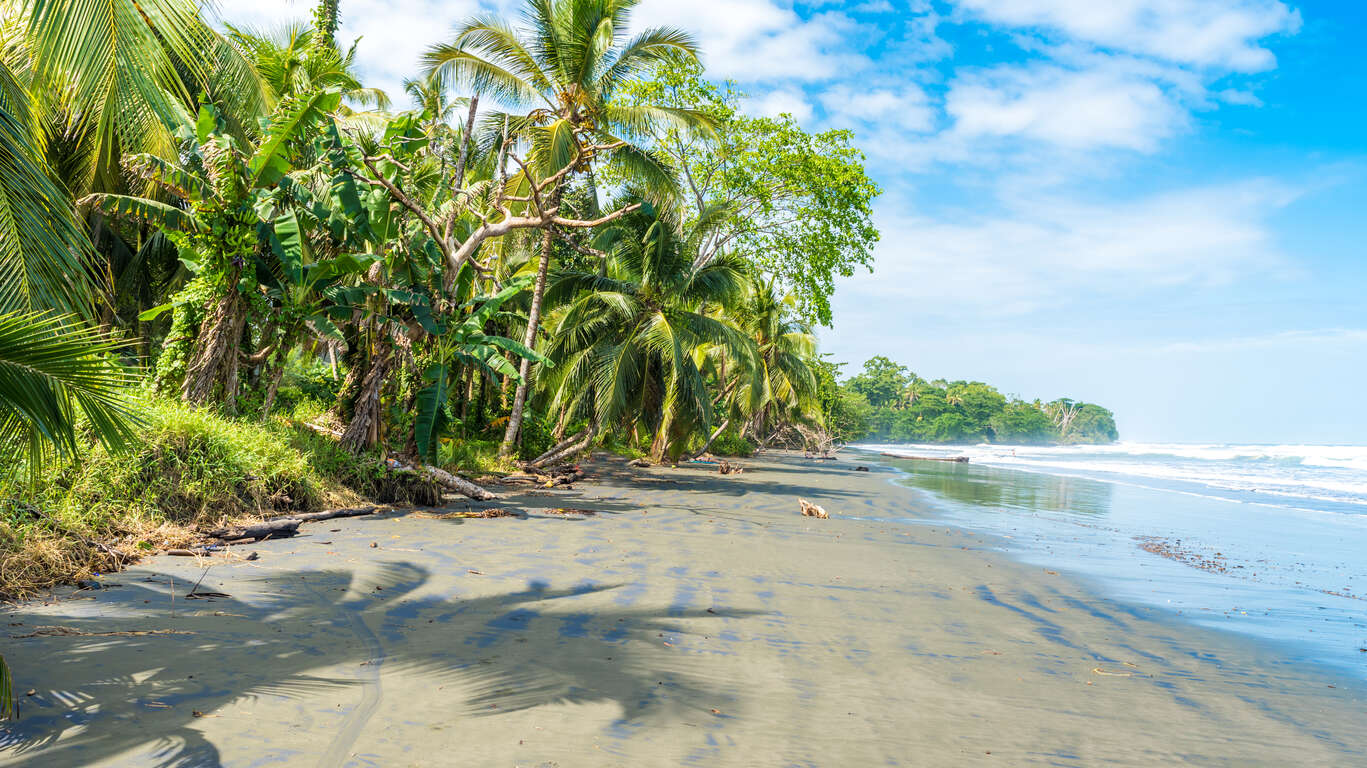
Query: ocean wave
{"type": "Point", "coordinates": [1313, 472]}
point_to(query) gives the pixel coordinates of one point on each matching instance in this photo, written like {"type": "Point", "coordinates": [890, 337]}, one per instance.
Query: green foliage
{"type": "Point", "coordinates": [52, 368]}
{"type": "Point", "coordinates": [800, 203]}
{"type": "Point", "coordinates": [887, 402]}
{"type": "Point", "coordinates": [730, 443]}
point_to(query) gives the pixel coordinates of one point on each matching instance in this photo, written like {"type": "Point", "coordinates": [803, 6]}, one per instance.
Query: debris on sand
{"type": "Point", "coordinates": [642, 463]}
{"type": "Point", "coordinates": [726, 468]}
{"type": "Point", "coordinates": [567, 511]}
{"type": "Point", "coordinates": [861, 469]}
{"type": "Point", "coordinates": [811, 510]}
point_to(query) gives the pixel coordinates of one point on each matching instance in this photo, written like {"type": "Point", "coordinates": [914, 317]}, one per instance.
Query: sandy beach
{"type": "Point", "coordinates": [696, 619]}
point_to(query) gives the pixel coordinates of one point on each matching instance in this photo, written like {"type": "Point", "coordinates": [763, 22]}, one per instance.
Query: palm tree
{"type": "Point", "coordinates": [629, 343]}
{"type": "Point", "coordinates": [123, 76]}
{"type": "Point", "coordinates": [565, 66]}
{"type": "Point", "coordinates": [781, 390]}
{"type": "Point", "coordinates": [290, 62]}
{"type": "Point", "coordinates": [44, 254]}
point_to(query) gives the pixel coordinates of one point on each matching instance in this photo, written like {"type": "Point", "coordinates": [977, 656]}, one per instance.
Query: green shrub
{"type": "Point", "coordinates": [730, 443]}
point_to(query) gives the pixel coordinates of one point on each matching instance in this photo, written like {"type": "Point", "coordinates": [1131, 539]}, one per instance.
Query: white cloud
{"type": "Point", "coordinates": [1048, 251]}
{"type": "Point", "coordinates": [905, 106]}
{"type": "Point", "coordinates": [1225, 34]}
{"type": "Point", "coordinates": [784, 100]}
{"type": "Point", "coordinates": [762, 40]}
{"type": "Point", "coordinates": [1102, 107]}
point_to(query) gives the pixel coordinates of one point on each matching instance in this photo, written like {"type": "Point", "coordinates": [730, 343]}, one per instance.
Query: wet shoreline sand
{"type": "Point", "coordinates": [696, 620]}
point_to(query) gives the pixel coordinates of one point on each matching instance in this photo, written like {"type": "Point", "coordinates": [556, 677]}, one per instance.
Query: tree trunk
{"type": "Point", "coordinates": [362, 432]}
{"type": "Point", "coordinates": [715, 434]}
{"type": "Point", "coordinates": [533, 322]}
{"type": "Point", "coordinates": [214, 354]}
{"type": "Point", "coordinates": [660, 445]}
{"type": "Point", "coordinates": [277, 372]}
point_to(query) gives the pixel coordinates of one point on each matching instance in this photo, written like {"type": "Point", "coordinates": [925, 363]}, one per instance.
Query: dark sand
{"type": "Point", "coordinates": [696, 620]}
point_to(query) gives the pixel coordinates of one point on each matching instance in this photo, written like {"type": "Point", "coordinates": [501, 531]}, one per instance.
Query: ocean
{"type": "Point", "coordinates": [1266, 540]}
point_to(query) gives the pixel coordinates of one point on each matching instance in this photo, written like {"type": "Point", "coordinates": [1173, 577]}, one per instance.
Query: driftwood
{"type": "Point", "coordinates": [551, 479]}
{"type": "Point", "coordinates": [328, 514]}
{"type": "Point", "coordinates": [271, 529]}
{"type": "Point", "coordinates": [638, 463]}
{"type": "Point", "coordinates": [811, 510]}
{"type": "Point", "coordinates": [725, 468]}
{"type": "Point", "coordinates": [956, 459]}
{"type": "Point", "coordinates": [446, 480]}
{"type": "Point", "coordinates": [279, 528]}
{"type": "Point", "coordinates": [861, 469]}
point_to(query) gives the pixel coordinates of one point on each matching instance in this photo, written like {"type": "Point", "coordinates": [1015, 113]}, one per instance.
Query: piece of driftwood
{"type": "Point", "coordinates": [638, 463]}
{"type": "Point", "coordinates": [811, 510]}
{"type": "Point", "coordinates": [281, 528]}
{"type": "Point", "coordinates": [861, 469]}
{"type": "Point", "coordinates": [551, 479]}
{"type": "Point", "coordinates": [726, 468]}
{"type": "Point", "coordinates": [956, 459]}
{"type": "Point", "coordinates": [447, 480]}
{"type": "Point", "coordinates": [328, 514]}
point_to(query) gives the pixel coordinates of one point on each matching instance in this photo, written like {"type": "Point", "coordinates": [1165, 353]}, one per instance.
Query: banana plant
{"type": "Point", "coordinates": [216, 230]}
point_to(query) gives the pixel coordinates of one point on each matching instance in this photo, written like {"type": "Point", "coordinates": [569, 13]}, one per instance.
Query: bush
{"type": "Point", "coordinates": [730, 443]}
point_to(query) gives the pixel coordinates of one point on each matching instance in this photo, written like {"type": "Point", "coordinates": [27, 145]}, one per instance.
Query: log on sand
{"type": "Point", "coordinates": [279, 528]}
{"type": "Point", "coordinates": [446, 480]}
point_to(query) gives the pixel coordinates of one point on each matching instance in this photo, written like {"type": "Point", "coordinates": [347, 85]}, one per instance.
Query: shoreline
{"type": "Point", "coordinates": [696, 619]}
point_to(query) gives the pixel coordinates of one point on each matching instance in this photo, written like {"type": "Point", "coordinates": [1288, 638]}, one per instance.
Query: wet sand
{"type": "Point", "coordinates": [696, 620]}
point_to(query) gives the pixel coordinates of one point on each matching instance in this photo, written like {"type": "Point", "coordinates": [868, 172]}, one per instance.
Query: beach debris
{"type": "Point", "coordinates": [861, 469]}
{"type": "Point", "coordinates": [470, 514]}
{"type": "Point", "coordinates": [252, 556]}
{"type": "Point", "coordinates": [716, 711]}
{"type": "Point", "coordinates": [570, 511]}
{"type": "Point", "coordinates": [206, 595]}
{"type": "Point", "coordinates": [271, 529]}
{"type": "Point", "coordinates": [726, 468]}
{"type": "Point", "coordinates": [812, 510]}
{"type": "Point", "coordinates": [1108, 673]}
{"type": "Point", "coordinates": [552, 478]}
{"type": "Point", "coordinates": [1051, 573]}
{"type": "Point", "coordinates": [445, 479]}
{"type": "Point", "coordinates": [642, 463]}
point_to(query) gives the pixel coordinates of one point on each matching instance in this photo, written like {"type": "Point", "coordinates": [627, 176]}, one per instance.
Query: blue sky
{"type": "Point", "coordinates": [1157, 205]}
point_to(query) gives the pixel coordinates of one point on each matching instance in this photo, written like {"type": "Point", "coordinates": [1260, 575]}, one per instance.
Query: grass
{"type": "Point", "coordinates": [192, 468]}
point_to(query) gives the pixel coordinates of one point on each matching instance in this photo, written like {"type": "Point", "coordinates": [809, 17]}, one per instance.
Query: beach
{"type": "Point", "coordinates": [695, 619]}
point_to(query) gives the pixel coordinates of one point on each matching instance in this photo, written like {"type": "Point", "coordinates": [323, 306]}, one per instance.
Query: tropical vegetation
{"type": "Point", "coordinates": [885, 402]}
{"type": "Point", "coordinates": [237, 279]}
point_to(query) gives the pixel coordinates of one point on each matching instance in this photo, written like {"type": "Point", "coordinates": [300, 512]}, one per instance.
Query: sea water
{"type": "Point", "coordinates": [1268, 540]}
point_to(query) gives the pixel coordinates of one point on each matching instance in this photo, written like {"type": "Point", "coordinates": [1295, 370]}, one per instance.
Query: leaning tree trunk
{"type": "Point", "coordinates": [533, 322]}
{"type": "Point", "coordinates": [711, 439]}
{"type": "Point", "coordinates": [213, 359]}
{"type": "Point", "coordinates": [569, 446]}
{"type": "Point", "coordinates": [363, 430]}
{"type": "Point", "coordinates": [660, 445]}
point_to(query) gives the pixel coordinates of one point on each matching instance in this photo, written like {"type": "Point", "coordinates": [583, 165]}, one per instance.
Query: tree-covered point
{"type": "Point", "coordinates": [887, 402]}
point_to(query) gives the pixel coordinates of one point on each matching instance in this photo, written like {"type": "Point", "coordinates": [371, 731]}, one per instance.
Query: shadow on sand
{"type": "Point", "coordinates": [103, 690]}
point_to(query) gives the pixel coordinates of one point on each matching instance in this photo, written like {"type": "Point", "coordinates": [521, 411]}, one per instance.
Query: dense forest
{"type": "Point", "coordinates": [885, 402]}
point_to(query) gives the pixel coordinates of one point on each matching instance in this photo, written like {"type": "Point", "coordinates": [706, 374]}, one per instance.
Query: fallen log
{"type": "Point", "coordinates": [273, 529]}
{"type": "Point", "coordinates": [447, 480]}
{"type": "Point", "coordinates": [329, 514]}
{"type": "Point", "coordinates": [641, 463]}
{"type": "Point", "coordinates": [956, 459]}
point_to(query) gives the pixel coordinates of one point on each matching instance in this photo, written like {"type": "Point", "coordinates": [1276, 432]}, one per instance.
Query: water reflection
{"type": "Point", "coordinates": [1008, 489]}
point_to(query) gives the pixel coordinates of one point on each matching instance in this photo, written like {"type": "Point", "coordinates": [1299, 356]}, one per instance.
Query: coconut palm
{"type": "Point", "coordinates": [565, 66]}
{"type": "Point", "coordinates": [122, 75]}
{"type": "Point", "coordinates": [782, 388]}
{"type": "Point", "coordinates": [629, 343]}
{"type": "Point", "coordinates": [291, 63]}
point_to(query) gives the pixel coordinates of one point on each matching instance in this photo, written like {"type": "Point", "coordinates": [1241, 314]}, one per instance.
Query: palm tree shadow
{"type": "Point", "coordinates": [104, 690]}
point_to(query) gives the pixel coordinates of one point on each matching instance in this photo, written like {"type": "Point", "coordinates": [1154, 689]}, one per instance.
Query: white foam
{"type": "Point", "coordinates": [1335, 473]}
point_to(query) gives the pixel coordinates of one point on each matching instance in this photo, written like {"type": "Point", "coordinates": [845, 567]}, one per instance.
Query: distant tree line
{"type": "Point", "coordinates": [887, 402]}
